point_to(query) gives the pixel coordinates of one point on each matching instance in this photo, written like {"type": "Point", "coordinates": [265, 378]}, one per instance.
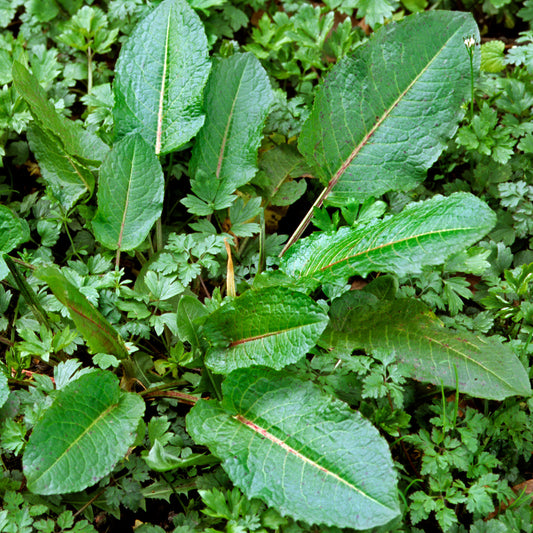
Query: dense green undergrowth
{"type": "Point", "coordinates": [266, 266]}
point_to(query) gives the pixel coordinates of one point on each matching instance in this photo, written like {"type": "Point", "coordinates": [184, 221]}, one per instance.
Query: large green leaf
{"type": "Point", "coordinates": [96, 330]}
{"type": "Point", "coordinates": [424, 233]}
{"type": "Point", "coordinates": [485, 367]}
{"type": "Point", "coordinates": [67, 177]}
{"type": "Point", "coordinates": [82, 435]}
{"type": "Point", "coordinates": [160, 76]}
{"type": "Point", "coordinates": [238, 97]}
{"type": "Point", "coordinates": [383, 115]}
{"type": "Point", "coordinates": [75, 140]}
{"type": "Point", "coordinates": [301, 451]}
{"type": "Point", "coordinates": [130, 194]}
{"type": "Point", "coordinates": [272, 327]}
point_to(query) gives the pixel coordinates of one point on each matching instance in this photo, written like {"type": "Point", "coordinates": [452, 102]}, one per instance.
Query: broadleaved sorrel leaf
{"type": "Point", "coordinates": [424, 233]}
{"type": "Point", "coordinates": [96, 330]}
{"type": "Point", "coordinates": [430, 352]}
{"type": "Point", "coordinates": [238, 97]}
{"type": "Point", "coordinates": [383, 115]}
{"type": "Point", "coordinates": [284, 441]}
{"type": "Point", "coordinates": [272, 327]}
{"type": "Point", "coordinates": [67, 177]}
{"type": "Point", "coordinates": [160, 76]}
{"type": "Point", "coordinates": [76, 141]}
{"type": "Point", "coordinates": [130, 194]}
{"type": "Point", "coordinates": [82, 435]}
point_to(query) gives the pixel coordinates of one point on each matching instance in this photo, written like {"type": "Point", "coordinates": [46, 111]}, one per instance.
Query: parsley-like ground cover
{"type": "Point", "coordinates": [266, 266]}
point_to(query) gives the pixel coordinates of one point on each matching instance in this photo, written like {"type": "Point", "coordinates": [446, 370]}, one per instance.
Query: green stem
{"type": "Point", "coordinates": [158, 235]}
{"type": "Point", "coordinates": [471, 84]}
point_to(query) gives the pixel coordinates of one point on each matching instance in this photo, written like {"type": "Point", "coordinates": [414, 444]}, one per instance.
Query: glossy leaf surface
{"type": "Point", "coordinates": [306, 454]}
{"type": "Point", "coordinates": [130, 194]}
{"type": "Point", "coordinates": [82, 435]}
{"type": "Point", "coordinates": [238, 97]}
{"type": "Point", "coordinates": [424, 233]}
{"type": "Point", "coordinates": [96, 330]}
{"type": "Point", "coordinates": [429, 351]}
{"type": "Point", "coordinates": [384, 114]}
{"type": "Point", "coordinates": [75, 140]}
{"type": "Point", "coordinates": [272, 327]}
{"type": "Point", "coordinates": [160, 76]}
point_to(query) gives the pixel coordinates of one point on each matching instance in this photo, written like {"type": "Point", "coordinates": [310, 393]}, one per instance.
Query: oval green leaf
{"type": "Point", "coordinates": [130, 194]}
{"type": "Point", "coordinates": [96, 330]}
{"type": "Point", "coordinates": [485, 367]}
{"type": "Point", "coordinates": [306, 454]}
{"type": "Point", "coordinates": [273, 327]}
{"type": "Point", "coordinates": [424, 233]}
{"type": "Point", "coordinates": [383, 115]}
{"type": "Point", "coordinates": [238, 97]}
{"type": "Point", "coordinates": [82, 435]}
{"type": "Point", "coordinates": [160, 76]}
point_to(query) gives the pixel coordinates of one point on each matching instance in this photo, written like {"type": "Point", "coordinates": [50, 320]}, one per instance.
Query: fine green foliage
{"type": "Point", "coordinates": [285, 430]}
{"type": "Point", "coordinates": [87, 429]}
{"type": "Point", "coordinates": [167, 349]}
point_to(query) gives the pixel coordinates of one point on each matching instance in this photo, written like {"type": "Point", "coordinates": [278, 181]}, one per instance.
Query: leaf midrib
{"type": "Point", "coordinates": [102, 327]}
{"type": "Point", "coordinates": [282, 444]}
{"type": "Point", "coordinates": [414, 334]}
{"type": "Point", "coordinates": [127, 201]}
{"type": "Point", "coordinates": [226, 130]}
{"type": "Point", "coordinates": [159, 131]}
{"type": "Point", "coordinates": [272, 333]}
{"type": "Point", "coordinates": [72, 444]}
{"type": "Point", "coordinates": [342, 169]}
{"type": "Point", "coordinates": [391, 243]}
